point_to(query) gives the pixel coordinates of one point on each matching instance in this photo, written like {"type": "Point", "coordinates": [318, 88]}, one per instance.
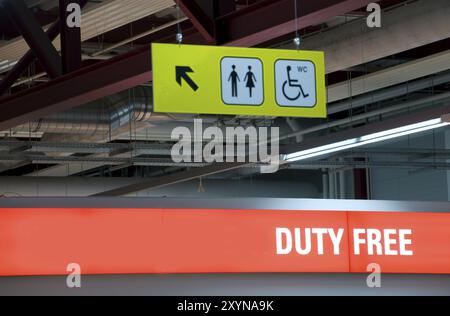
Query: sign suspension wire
{"type": "Point", "coordinates": [179, 35]}
{"type": "Point", "coordinates": [297, 39]}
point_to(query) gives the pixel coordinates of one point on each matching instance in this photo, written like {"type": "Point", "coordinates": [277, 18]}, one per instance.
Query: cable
{"type": "Point", "coordinates": [179, 36]}
{"type": "Point", "coordinates": [297, 39]}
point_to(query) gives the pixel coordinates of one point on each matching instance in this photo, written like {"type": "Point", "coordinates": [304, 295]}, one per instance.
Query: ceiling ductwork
{"type": "Point", "coordinates": [405, 27]}
{"type": "Point", "coordinates": [102, 116]}
{"type": "Point", "coordinates": [98, 18]}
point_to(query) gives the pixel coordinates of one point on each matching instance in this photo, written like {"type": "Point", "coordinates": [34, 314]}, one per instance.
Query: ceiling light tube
{"type": "Point", "coordinates": [367, 139]}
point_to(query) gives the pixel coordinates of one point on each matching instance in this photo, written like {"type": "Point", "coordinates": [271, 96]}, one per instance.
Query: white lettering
{"type": "Point", "coordinates": [403, 242]}
{"type": "Point", "coordinates": [388, 242]}
{"type": "Point", "coordinates": [280, 232]}
{"type": "Point", "coordinates": [302, 240]}
{"type": "Point", "coordinates": [319, 233]}
{"type": "Point", "coordinates": [357, 240]}
{"type": "Point", "coordinates": [336, 239]}
{"type": "Point", "coordinates": [307, 242]}
{"type": "Point", "coordinates": [374, 240]}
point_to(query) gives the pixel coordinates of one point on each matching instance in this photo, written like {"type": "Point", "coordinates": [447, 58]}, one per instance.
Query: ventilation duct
{"type": "Point", "coordinates": [103, 116]}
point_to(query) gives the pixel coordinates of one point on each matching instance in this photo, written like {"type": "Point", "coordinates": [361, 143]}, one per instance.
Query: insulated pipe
{"type": "Point", "coordinates": [103, 116]}
{"type": "Point", "coordinates": [107, 115]}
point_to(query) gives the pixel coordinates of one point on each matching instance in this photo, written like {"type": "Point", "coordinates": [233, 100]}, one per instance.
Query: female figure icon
{"type": "Point", "coordinates": [250, 80]}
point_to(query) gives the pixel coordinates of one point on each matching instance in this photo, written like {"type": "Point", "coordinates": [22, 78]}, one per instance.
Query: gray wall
{"type": "Point", "coordinates": [411, 184]}
{"type": "Point", "coordinates": [77, 186]}
{"type": "Point", "coordinates": [230, 285]}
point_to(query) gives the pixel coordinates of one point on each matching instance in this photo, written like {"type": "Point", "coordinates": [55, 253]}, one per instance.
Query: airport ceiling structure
{"type": "Point", "coordinates": [84, 107]}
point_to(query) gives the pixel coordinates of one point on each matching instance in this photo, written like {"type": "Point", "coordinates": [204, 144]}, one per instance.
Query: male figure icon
{"type": "Point", "coordinates": [241, 81]}
{"type": "Point", "coordinates": [234, 77]}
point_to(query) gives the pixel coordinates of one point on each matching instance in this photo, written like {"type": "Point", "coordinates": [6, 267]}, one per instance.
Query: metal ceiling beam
{"type": "Point", "coordinates": [100, 17]}
{"type": "Point", "coordinates": [390, 77]}
{"type": "Point", "coordinates": [19, 68]}
{"type": "Point", "coordinates": [22, 65]}
{"type": "Point", "coordinates": [216, 168]}
{"type": "Point", "coordinates": [415, 152]}
{"type": "Point", "coordinates": [361, 179]}
{"type": "Point", "coordinates": [392, 91]}
{"type": "Point", "coordinates": [199, 18]}
{"type": "Point", "coordinates": [77, 88]}
{"type": "Point", "coordinates": [270, 19]}
{"type": "Point", "coordinates": [405, 27]}
{"type": "Point", "coordinates": [361, 166]}
{"type": "Point", "coordinates": [134, 68]}
{"type": "Point", "coordinates": [33, 34]}
{"type": "Point", "coordinates": [70, 38]}
{"type": "Point", "coordinates": [85, 147]}
{"type": "Point", "coordinates": [25, 62]}
{"type": "Point", "coordinates": [179, 177]}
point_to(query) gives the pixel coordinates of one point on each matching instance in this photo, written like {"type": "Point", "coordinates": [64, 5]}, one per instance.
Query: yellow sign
{"type": "Point", "coordinates": [238, 81]}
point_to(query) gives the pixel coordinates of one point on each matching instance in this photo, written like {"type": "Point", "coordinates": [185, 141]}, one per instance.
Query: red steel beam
{"type": "Point", "coordinates": [34, 35]}
{"type": "Point", "coordinates": [271, 19]}
{"type": "Point", "coordinates": [198, 18]}
{"type": "Point", "coordinates": [79, 87]}
{"type": "Point", "coordinates": [248, 27]}
{"type": "Point", "coordinates": [19, 68]}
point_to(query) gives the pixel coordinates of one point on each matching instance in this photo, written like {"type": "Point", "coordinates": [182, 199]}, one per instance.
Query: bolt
{"type": "Point", "coordinates": [179, 38]}
{"type": "Point", "coordinates": [297, 41]}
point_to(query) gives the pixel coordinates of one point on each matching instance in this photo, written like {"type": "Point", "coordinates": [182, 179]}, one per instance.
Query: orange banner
{"type": "Point", "coordinates": [124, 241]}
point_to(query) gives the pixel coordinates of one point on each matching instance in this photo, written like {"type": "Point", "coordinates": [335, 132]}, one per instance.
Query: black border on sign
{"type": "Point", "coordinates": [263, 86]}
{"type": "Point", "coordinates": [275, 83]}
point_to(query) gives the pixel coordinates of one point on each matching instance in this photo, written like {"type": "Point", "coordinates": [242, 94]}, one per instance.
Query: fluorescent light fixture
{"type": "Point", "coordinates": [367, 139]}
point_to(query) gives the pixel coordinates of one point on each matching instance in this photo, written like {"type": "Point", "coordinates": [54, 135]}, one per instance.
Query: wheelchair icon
{"type": "Point", "coordinates": [293, 83]}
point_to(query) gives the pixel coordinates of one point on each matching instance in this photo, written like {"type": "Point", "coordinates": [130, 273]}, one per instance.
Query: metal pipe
{"type": "Point", "coordinates": [325, 184]}
{"type": "Point", "coordinates": [305, 165]}
{"type": "Point", "coordinates": [435, 99]}
{"type": "Point", "coordinates": [342, 193]}
{"type": "Point", "coordinates": [35, 37]}
{"type": "Point", "coordinates": [331, 185]}
{"type": "Point", "coordinates": [328, 164]}
{"type": "Point", "coordinates": [389, 93]}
